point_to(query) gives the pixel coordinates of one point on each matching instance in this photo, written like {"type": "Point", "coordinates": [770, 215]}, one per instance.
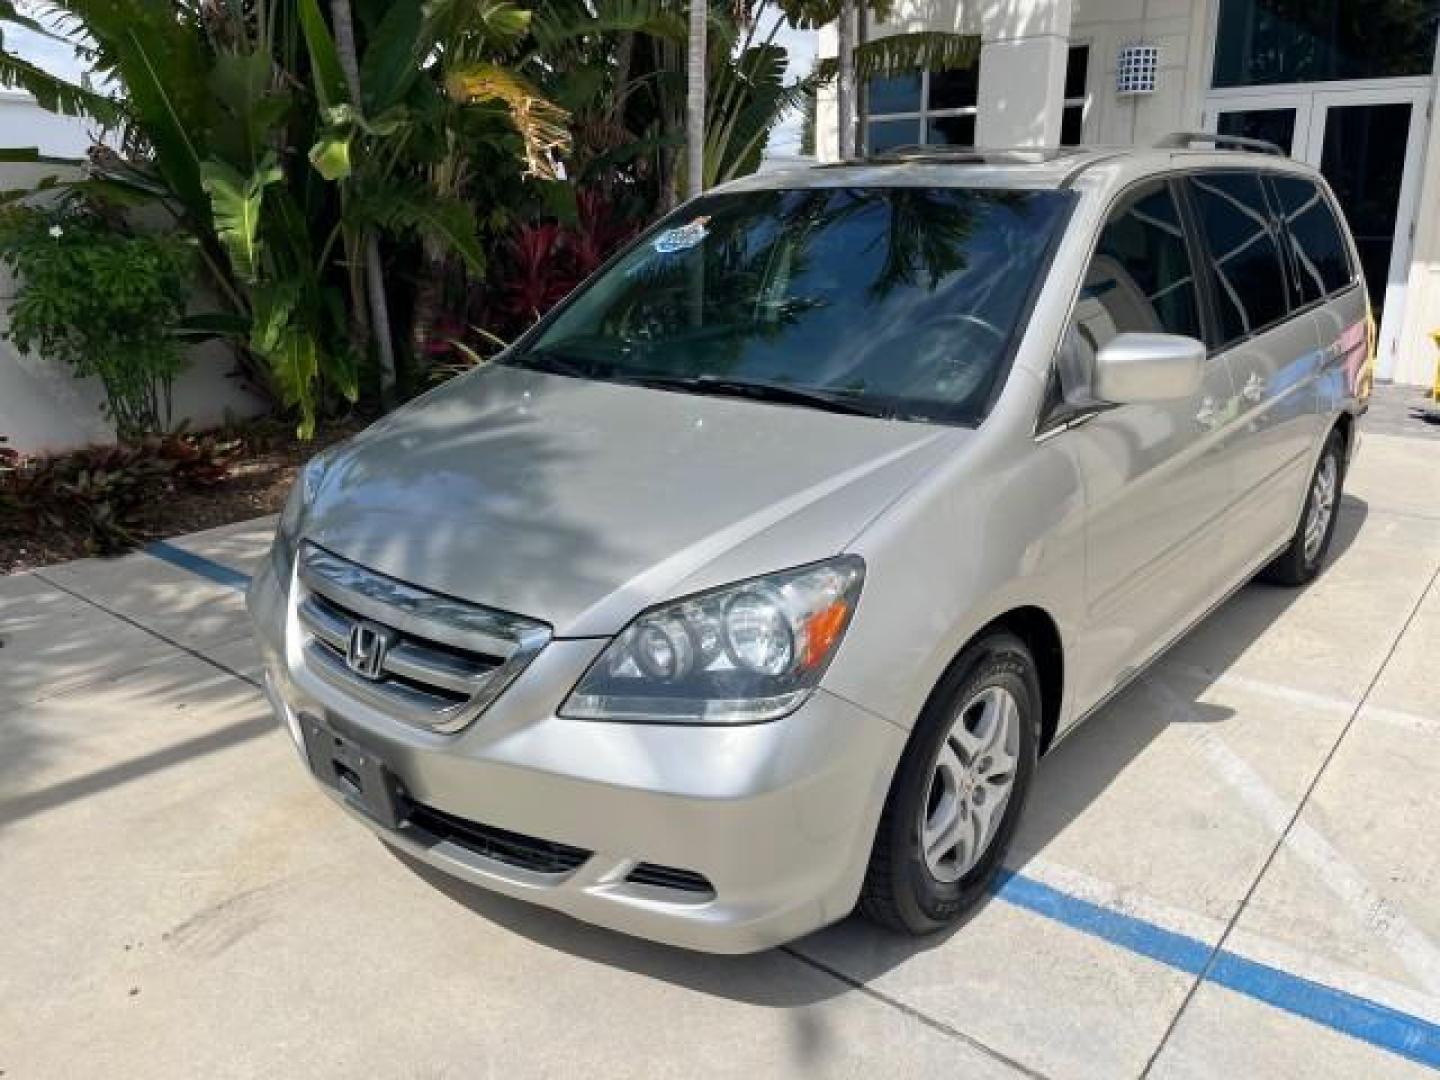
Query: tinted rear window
{"type": "Point", "coordinates": [905, 300]}
{"type": "Point", "coordinates": [1322, 262]}
{"type": "Point", "coordinates": [1249, 277]}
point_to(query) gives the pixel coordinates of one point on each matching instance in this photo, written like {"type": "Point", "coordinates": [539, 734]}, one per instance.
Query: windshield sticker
{"type": "Point", "coordinates": [683, 238]}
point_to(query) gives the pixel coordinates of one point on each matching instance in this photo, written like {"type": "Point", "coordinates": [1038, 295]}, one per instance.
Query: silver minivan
{"type": "Point", "coordinates": [755, 580]}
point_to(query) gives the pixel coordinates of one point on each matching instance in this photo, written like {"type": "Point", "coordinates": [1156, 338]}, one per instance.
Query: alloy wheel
{"type": "Point", "coordinates": [971, 784]}
{"type": "Point", "coordinates": [1322, 506]}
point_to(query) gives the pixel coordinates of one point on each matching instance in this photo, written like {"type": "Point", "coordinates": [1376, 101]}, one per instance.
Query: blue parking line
{"type": "Point", "coordinates": [199, 565]}
{"type": "Point", "coordinates": [1138, 936]}
{"type": "Point", "coordinates": [1360, 1018]}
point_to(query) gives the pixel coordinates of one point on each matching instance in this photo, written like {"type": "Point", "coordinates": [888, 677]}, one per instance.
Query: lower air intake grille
{"type": "Point", "coordinates": [670, 877]}
{"type": "Point", "coordinates": [512, 849]}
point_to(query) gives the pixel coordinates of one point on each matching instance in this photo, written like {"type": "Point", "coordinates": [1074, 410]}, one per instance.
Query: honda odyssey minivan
{"type": "Point", "coordinates": [753, 582]}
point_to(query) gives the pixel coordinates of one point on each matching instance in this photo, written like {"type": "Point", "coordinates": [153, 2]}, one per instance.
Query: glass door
{"type": "Point", "coordinates": [1367, 139]}
{"type": "Point", "coordinates": [1368, 144]}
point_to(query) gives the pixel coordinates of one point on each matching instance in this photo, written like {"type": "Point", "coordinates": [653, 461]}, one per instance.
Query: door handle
{"type": "Point", "coordinates": [1254, 389]}
{"type": "Point", "coordinates": [1207, 416]}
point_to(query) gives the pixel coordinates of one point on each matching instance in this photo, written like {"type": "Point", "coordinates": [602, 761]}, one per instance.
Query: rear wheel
{"type": "Point", "coordinates": [1302, 559]}
{"type": "Point", "coordinates": [958, 791]}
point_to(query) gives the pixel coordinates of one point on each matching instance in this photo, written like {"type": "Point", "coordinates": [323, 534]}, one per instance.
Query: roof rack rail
{"type": "Point", "coordinates": [1184, 140]}
{"type": "Point", "coordinates": [943, 152]}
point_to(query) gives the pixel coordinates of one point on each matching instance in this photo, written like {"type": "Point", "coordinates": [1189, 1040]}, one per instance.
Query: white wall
{"type": "Point", "coordinates": [1023, 47]}
{"type": "Point", "coordinates": [1179, 29]}
{"type": "Point", "coordinates": [42, 407]}
{"type": "Point", "coordinates": [23, 124]}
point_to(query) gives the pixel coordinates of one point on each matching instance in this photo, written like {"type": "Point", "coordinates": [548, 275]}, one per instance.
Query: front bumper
{"type": "Point", "coordinates": [778, 817]}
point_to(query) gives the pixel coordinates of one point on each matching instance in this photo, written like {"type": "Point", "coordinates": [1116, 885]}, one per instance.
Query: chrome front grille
{"type": "Point", "coordinates": [420, 657]}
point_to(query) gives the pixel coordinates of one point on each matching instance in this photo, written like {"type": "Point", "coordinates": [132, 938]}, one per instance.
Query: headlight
{"type": "Point", "coordinates": [292, 518]}
{"type": "Point", "coordinates": [741, 654]}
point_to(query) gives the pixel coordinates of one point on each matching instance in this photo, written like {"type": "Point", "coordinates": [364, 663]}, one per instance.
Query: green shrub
{"type": "Point", "coordinates": [102, 301]}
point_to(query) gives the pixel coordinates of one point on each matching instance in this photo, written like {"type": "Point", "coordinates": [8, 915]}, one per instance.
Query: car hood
{"type": "Point", "coordinates": [581, 502]}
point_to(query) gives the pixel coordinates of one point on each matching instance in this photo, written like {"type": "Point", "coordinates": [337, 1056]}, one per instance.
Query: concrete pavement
{"type": "Point", "coordinates": [1231, 869]}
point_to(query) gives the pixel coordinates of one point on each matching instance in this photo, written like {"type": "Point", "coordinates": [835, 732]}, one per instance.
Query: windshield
{"type": "Point", "coordinates": [899, 302]}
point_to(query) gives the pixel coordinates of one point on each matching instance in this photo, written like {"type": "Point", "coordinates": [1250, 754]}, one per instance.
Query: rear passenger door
{"type": "Point", "coordinates": [1156, 484]}
{"type": "Point", "coordinates": [1272, 351]}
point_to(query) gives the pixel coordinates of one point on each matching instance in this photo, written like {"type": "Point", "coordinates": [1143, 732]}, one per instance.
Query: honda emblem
{"type": "Point", "coordinates": [365, 651]}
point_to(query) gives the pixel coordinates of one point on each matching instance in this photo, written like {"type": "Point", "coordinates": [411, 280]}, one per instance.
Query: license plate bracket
{"type": "Point", "coordinates": [357, 774]}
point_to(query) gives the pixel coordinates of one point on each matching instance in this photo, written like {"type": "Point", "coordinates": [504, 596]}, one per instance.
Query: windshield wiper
{"type": "Point", "coordinates": [558, 362]}
{"type": "Point", "coordinates": [779, 393]}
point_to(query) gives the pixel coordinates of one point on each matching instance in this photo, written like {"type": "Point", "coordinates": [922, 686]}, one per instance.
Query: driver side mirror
{"type": "Point", "coordinates": [1134, 368]}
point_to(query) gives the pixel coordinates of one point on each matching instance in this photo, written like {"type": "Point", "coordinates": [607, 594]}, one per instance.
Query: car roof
{"type": "Point", "coordinates": [1034, 168]}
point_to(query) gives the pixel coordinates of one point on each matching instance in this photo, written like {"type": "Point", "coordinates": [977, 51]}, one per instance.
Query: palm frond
{"type": "Point", "coordinates": [540, 122]}
{"type": "Point", "coordinates": [816, 14]}
{"type": "Point", "coordinates": [396, 206]}
{"type": "Point", "coordinates": [11, 14]}
{"type": "Point", "coordinates": [898, 54]}
{"type": "Point", "coordinates": [497, 24]}
{"type": "Point", "coordinates": [555, 27]}
{"type": "Point", "coordinates": [54, 94]}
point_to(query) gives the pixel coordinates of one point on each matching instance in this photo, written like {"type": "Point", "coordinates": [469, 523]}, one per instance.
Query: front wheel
{"type": "Point", "coordinates": [958, 791]}
{"type": "Point", "coordinates": [1302, 559]}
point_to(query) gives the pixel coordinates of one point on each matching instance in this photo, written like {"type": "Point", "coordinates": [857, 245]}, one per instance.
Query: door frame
{"type": "Point", "coordinates": [1397, 277]}
{"type": "Point", "coordinates": [1312, 103]}
{"type": "Point", "coordinates": [1252, 100]}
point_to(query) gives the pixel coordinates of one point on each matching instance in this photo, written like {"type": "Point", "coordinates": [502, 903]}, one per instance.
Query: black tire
{"type": "Point", "coordinates": [900, 891]}
{"type": "Point", "coordinates": [1293, 567]}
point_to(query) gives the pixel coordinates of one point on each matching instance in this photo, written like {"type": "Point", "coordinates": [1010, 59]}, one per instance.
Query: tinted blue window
{"type": "Point", "coordinates": [888, 134]}
{"type": "Point", "coordinates": [896, 93]}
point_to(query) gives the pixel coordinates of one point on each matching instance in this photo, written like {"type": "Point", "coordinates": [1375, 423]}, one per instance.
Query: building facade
{"type": "Point", "coordinates": [1347, 85]}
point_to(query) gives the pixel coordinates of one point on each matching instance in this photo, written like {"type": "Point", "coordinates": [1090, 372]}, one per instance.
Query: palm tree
{"type": "Point", "coordinates": [695, 100]}
{"type": "Point", "coordinates": [845, 79]}
{"type": "Point", "coordinates": [344, 28]}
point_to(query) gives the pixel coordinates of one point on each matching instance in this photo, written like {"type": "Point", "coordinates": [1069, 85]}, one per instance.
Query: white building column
{"type": "Point", "coordinates": [1023, 48]}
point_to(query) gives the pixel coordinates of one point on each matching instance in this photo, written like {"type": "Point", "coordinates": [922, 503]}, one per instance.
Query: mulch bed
{"type": "Point", "coordinates": [258, 482]}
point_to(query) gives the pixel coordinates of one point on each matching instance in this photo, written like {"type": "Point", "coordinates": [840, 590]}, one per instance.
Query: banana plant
{"type": "Point", "coordinates": [399, 141]}
{"type": "Point", "coordinates": [240, 121]}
